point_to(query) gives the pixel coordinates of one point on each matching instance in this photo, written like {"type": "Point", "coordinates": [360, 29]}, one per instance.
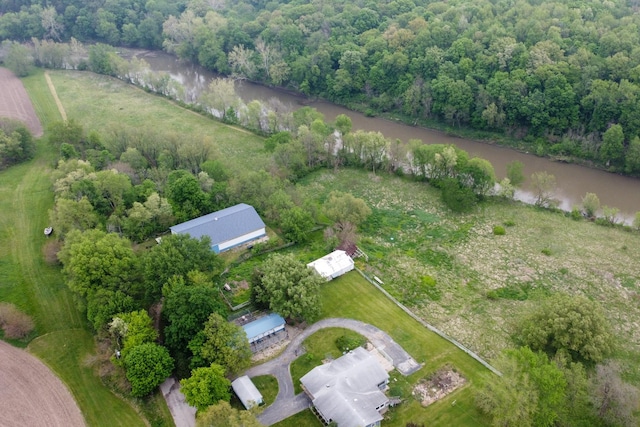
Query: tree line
{"type": "Point", "coordinates": [560, 78]}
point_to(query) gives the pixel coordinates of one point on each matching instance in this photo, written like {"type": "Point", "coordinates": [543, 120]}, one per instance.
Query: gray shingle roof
{"type": "Point", "coordinates": [346, 390]}
{"type": "Point", "coordinates": [222, 225]}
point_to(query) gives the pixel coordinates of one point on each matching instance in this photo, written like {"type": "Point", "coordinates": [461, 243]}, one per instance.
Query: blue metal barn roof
{"type": "Point", "coordinates": [262, 325]}
{"type": "Point", "coordinates": [224, 225]}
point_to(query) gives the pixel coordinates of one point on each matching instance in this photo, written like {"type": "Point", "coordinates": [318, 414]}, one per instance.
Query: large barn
{"type": "Point", "coordinates": [349, 390]}
{"type": "Point", "coordinates": [228, 228]}
{"type": "Point", "coordinates": [333, 265]}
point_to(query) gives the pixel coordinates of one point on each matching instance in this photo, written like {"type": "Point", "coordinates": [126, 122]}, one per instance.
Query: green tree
{"type": "Point", "coordinates": [102, 59]}
{"type": "Point", "coordinates": [296, 224]}
{"type": "Point", "coordinates": [133, 329]}
{"type": "Point", "coordinates": [147, 366]}
{"type": "Point", "coordinates": [612, 149]}
{"type": "Point", "coordinates": [206, 387]}
{"type": "Point", "coordinates": [344, 208]}
{"type": "Point", "coordinates": [103, 304]}
{"type": "Point", "coordinates": [176, 255]}
{"type": "Point", "coordinates": [590, 204]}
{"type": "Point", "coordinates": [222, 414]}
{"type": "Point", "coordinates": [289, 288]}
{"type": "Point", "coordinates": [18, 58]}
{"type": "Point", "coordinates": [457, 197]}
{"type": "Point", "coordinates": [530, 392]}
{"type": "Point", "coordinates": [16, 143]}
{"type": "Point", "coordinates": [96, 260]}
{"type": "Point", "coordinates": [223, 343]}
{"type": "Point", "coordinates": [568, 324]}
{"type": "Point", "coordinates": [515, 172]}
{"type": "Point", "coordinates": [185, 195]}
{"type": "Point", "coordinates": [632, 159]}
{"type": "Point", "coordinates": [187, 306]}
{"type": "Point", "coordinates": [343, 124]}
{"type": "Point", "coordinates": [543, 186]}
{"type": "Point", "coordinates": [478, 174]}
{"type": "Point", "coordinates": [70, 215]}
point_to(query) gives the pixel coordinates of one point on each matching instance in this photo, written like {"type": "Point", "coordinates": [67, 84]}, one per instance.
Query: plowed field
{"type": "Point", "coordinates": [15, 103]}
{"type": "Point", "coordinates": [31, 395]}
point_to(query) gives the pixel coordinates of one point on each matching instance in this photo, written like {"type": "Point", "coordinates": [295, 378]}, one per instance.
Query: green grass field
{"type": "Point", "coordinates": [268, 387]}
{"type": "Point", "coordinates": [102, 103]}
{"type": "Point", "coordinates": [302, 419]}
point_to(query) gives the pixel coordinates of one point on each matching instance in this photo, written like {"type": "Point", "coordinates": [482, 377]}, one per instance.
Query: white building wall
{"type": "Point", "coordinates": [239, 240]}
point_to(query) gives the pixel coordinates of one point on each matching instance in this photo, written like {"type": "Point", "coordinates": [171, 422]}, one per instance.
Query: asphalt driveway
{"type": "Point", "coordinates": [288, 404]}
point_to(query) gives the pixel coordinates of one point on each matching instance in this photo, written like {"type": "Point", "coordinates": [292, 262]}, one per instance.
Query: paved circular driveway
{"type": "Point", "coordinates": [288, 404]}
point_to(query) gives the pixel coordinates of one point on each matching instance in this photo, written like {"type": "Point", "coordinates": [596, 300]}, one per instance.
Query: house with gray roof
{"type": "Point", "coordinates": [349, 390]}
{"type": "Point", "coordinates": [227, 228]}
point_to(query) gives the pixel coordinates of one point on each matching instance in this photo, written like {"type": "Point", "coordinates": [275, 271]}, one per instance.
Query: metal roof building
{"type": "Point", "coordinates": [333, 265]}
{"type": "Point", "coordinates": [247, 392]}
{"type": "Point", "coordinates": [263, 327]}
{"type": "Point", "coordinates": [227, 228]}
{"type": "Point", "coordinates": [349, 390]}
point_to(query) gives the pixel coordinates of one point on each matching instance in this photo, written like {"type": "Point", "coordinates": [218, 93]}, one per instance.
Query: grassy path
{"type": "Point", "coordinates": [64, 341]}
{"type": "Point", "coordinates": [52, 89]}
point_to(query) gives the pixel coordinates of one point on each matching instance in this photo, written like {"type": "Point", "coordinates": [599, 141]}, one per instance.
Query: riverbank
{"type": "Point", "coordinates": [573, 180]}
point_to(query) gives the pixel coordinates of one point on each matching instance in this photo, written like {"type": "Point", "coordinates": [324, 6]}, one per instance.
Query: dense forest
{"type": "Point", "coordinates": [560, 76]}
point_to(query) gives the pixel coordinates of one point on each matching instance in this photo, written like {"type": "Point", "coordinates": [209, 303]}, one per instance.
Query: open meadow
{"type": "Point", "coordinates": [102, 104]}
{"type": "Point", "coordinates": [456, 274]}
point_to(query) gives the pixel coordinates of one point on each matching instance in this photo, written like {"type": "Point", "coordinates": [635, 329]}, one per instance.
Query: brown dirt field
{"type": "Point", "coordinates": [15, 103]}
{"type": "Point", "coordinates": [31, 395]}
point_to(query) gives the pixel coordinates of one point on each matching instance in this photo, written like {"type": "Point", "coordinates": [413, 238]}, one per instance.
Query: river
{"type": "Point", "coordinates": [573, 181]}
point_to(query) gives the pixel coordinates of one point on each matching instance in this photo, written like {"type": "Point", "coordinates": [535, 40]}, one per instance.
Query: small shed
{"type": "Point", "coordinates": [247, 392]}
{"type": "Point", "coordinates": [333, 265]}
{"type": "Point", "coordinates": [227, 228]}
{"type": "Point", "coordinates": [263, 327]}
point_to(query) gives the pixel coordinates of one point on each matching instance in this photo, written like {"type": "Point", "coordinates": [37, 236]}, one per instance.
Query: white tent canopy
{"type": "Point", "coordinates": [333, 265]}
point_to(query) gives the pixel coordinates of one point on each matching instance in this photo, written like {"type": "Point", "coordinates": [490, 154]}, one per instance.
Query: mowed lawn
{"type": "Point", "coordinates": [353, 297]}
{"type": "Point", "coordinates": [103, 104]}
{"type": "Point", "coordinates": [64, 340]}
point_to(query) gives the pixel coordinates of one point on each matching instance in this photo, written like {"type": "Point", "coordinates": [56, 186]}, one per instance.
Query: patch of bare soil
{"type": "Point", "coordinates": [439, 385]}
{"type": "Point", "coordinates": [31, 395]}
{"type": "Point", "coordinates": [15, 103]}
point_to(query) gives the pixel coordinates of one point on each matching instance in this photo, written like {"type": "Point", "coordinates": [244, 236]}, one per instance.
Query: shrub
{"type": "Point", "coordinates": [509, 223]}
{"type": "Point", "coordinates": [546, 251]}
{"type": "Point", "coordinates": [575, 214]}
{"type": "Point", "coordinates": [457, 197]}
{"type": "Point", "coordinates": [14, 323]}
{"type": "Point", "coordinates": [499, 230]}
{"type": "Point", "coordinates": [349, 342]}
{"type": "Point", "coordinates": [50, 251]}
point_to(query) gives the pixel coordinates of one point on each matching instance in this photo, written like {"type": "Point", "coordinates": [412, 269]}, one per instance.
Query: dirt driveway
{"type": "Point", "coordinates": [31, 395]}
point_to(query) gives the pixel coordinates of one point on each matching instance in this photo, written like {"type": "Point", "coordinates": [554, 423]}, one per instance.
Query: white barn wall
{"type": "Point", "coordinates": [239, 240]}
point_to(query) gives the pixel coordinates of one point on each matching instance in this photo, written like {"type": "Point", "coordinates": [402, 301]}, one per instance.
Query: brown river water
{"type": "Point", "coordinates": [573, 181]}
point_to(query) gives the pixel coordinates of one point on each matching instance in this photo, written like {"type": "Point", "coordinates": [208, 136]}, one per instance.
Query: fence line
{"type": "Point", "coordinates": [429, 326]}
